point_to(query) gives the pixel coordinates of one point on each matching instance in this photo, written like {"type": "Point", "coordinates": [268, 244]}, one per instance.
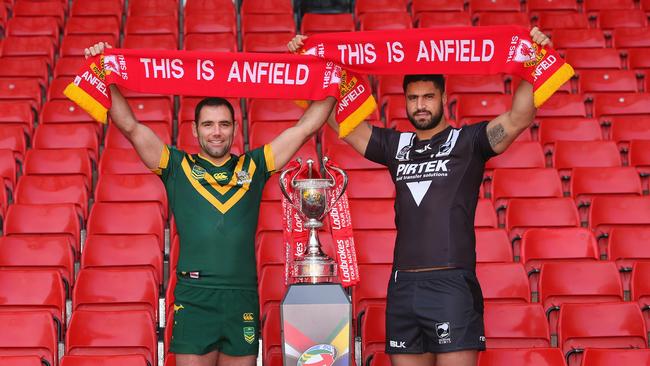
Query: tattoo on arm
{"type": "Point", "coordinates": [496, 134]}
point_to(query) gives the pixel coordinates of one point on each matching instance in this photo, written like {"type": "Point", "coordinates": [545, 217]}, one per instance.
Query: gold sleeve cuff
{"type": "Point", "coordinates": [268, 158]}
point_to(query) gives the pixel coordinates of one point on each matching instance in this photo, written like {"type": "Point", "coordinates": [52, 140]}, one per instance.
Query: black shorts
{"type": "Point", "coordinates": [434, 311]}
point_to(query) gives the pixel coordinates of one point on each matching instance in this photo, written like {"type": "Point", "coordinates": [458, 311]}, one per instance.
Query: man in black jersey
{"type": "Point", "coordinates": [434, 310]}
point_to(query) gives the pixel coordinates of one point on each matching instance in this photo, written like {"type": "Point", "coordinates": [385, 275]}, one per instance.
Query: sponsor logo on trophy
{"type": "Point", "coordinates": [311, 198]}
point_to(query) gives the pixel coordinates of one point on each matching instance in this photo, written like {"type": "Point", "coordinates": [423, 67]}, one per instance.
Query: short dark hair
{"type": "Point", "coordinates": [437, 79]}
{"type": "Point", "coordinates": [213, 102]}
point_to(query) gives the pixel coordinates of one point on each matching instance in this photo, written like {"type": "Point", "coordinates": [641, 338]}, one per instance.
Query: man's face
{"type": "Point", "coordinates": [424, 104]}
{"type": "Point", "coordinates": [215, 131]}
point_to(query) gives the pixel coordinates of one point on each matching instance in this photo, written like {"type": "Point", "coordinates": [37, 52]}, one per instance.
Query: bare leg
{"type": "Point", "coordinates": [225, 360]}
{"type": "Point", "coordinates": [460, 358]}
{"type": "Point", "coordinates": [422, 359]}
{"type": "Point", "coordinates": [208, 359]}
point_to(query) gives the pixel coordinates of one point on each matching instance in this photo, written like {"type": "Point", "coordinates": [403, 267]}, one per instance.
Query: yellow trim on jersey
{"type": "Point", "coordinates": [222, 207]}
{"type": "Point", "coordinates": [268, 157]}
{"type": "Point", "coordinates": [223, 189]}
{"type": "Point", "coordinates": [213, 164]}
{"type": "Point", "coordinates": [164, 160]}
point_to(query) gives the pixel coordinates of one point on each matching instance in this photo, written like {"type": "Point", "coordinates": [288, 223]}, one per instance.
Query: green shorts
{"type": "Point", "coordinates": [208, 319]}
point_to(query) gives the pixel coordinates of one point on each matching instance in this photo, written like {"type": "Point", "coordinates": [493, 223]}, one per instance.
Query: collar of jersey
{"type": "Point", "coordinates": [203, 158]}
{"type": "Point", "coordinates": [417, 140]}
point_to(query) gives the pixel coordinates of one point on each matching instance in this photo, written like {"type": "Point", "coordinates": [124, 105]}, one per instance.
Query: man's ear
{"type": "Point", "coordinates": [194, 131]}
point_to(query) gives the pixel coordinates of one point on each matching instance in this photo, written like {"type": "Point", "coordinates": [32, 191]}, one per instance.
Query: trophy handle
{"type": "Point", "coordinates": [340, 171]}
{"type": "Point", "coordinates": [283, 189]}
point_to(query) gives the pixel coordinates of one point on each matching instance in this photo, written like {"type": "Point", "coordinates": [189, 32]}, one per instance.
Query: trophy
{"type": "Point", "coordinates": [314, 203]}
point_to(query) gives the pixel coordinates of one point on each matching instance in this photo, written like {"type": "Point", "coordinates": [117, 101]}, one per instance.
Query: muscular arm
{"type": "Point", "coordinates": [358, 138]}
{"type": "Point", "coordinates": [288, 142]}
{"type": "Point", "coordinates": [146, 143]}
{"type": "Point", "coordinates": [504, 129]}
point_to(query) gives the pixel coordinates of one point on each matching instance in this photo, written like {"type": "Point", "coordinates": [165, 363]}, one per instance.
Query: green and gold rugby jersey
{"type": "Point", "coordinates": [216, 209]}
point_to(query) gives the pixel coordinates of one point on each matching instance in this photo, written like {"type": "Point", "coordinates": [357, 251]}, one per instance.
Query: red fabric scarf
{"type": "Point", "coordinates": [447, 50]}
{"type": "Point", "coordinates": [252, 75]}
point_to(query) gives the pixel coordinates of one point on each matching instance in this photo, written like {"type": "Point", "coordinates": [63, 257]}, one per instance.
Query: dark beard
{"type": "Point", "coordinates": [435, 121]}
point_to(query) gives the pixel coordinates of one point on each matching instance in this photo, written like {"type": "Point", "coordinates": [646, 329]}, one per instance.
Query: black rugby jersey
{"type": "Point", "coordinates": [437, 184]}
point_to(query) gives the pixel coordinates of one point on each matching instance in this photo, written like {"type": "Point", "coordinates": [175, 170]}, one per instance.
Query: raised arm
{"type": "Point", "coordinates": [504, 129]}
{"type": "Point", "coordinates": [288, 142]}
{"type": "Point", "coordinates": [146, 143]}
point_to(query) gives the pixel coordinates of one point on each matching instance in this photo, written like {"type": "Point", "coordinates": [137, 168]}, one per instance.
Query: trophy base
{"type": "Point", "coordinates": [314, 269]}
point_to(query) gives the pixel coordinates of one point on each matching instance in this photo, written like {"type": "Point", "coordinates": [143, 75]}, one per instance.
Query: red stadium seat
{"type": "Point", "coordinates": [515, 326]}
{"type": "Point", "coordinates": [503, 282]}
{"type": "Point", "coordinates": [21, 360]}
{"type": "Point", "coordinates": [594, 58]}
{"type": "Point", "coordinates": [212, 6]}
{"type": "Point", "coordinates": [617, 18]}
{"type": "Point", "coordinates": [34, 27]}
{"type": "Point", "coordinates": [457, 84]}
{"type": "Point", "coordinates": [113, 289]}
{"type": "Point", "coordinates": [22, 290]}
{"type": "Point", "coordinates": [371, 290]}
{"type": "Point", "coordinates": [209, 23]}
{"type": "Point", "coordinates": [270, 218]}
{"type": "Point", "coordinates": [267, 23]}
{"type": "Point", "coordinates": [349, 159]}
{"type": "Point", "coordinates": [637, 104]}
{"type": "Point", "coordinates": [267, 253]}
{"type": "Point", "coordinates": [55, 9]}
{"type": "Point", "coordinates": [267, 7]}
{"type": "Point", "coordinates": [28, 334]}
{"type": "Point", "coordinates": [639, 58]}
{"type": "Point", "coordinates": [67, 66]}
{"type": "Point", "coordinates": [271, 288]}
{"type": "Point", "coordinates": [264, 132]}
{"type": "Point", "coordinates": [151, 25]}
{"type": "Point", "coordinates": [523, 214]}
{"type": "Point", "coordinates": [271, 333]}
{"type": "Point", "coordinates": [39, 252]}
{"type": "Point", "coordinates": [471, 107]}
{"type": "Point", "coordinates": [115, 139]}
{"type": "Point", "coordinates": [443, 19]}
{"type": "Point", "coordinates": [597, 5]}
{"type": "Point", "coordinates": [369, 6]}
{"type": "Point", "coordinates": [493, 246]}
{"type": "Point", "coordinates": [552, 20]}
{"type": "Point", "coordinates": [371, 214]}
{"type": "Point", "coordinates": [627, 245]}
{"type": "Point", "coordinates": [613, 81]}
{"type": "Point", "coordinates": [128, 251]}
{"type": "Point", "coordinates": [524, 183]}
{"type": "Point", "coordinates": [59, 162]}
{"type": "Point", "coordinates": [122, 161]}
{"type": "Point", "coordinates": [74, 44]}
{"type": "Point", "coordinates": [631, 37]}
{"type": "Point", "coordinates": [552, 130]}
{"type": "Point", "coordinates": [13, 138]}
{"type": "Point", "coordinates": [609, 211]}
{"type": "Point", "coordinates": [71, 189]}
{"type": "Point", "coordinates": [521, 357]}
{"type": "Point", "coordinates": [111, 8]}
{"type": "Point", "coordinates": [502, 18]}
{"type": "Point", "coordinates": [485, 216]}
{"type": "Point", "coordinates": [152, 109]}
{"type": "Point", "coordinates": [586, 183]}
{"type": "Point", "coordinates": [639, 155]}
{"type": "Point", "coordinates": [374, 246]}
{"type": "Point", "coordinates": [385, 21]}
{"type": "Point", "coordinates": [370, 184]}
{"type": "Point", "coordinates": [267, 42]}
{"type": "Point", "coordinates": [64, 111]}
{"type": "Point", "coordinates": [273, 110]}
{"type": "Point", "coordinates": [126, 218]}
{"type": "Point", "coordinates": [519, 155]}
{"type": "Point", "coordinates": [219, 42]}
{"type": "Point", "coordinates": [156, 42]}
{"type": "Point", "coordinates": [153, 7]}
{"type": "Point", "coordinates": [108, 25]}
{"type": "Point", "coordinates": [605, 357]}
{"type": "Point", "coordinates": [132, 188]}
{"type": "Point", "coordinates": [577, 154]}
{"type": "Point", "coordinates": [380, 359]}
{"type": "Point", "coordinates": [373, 332]}
{"type": "Point", "coordinates": [430, 6]}
{"type": "Point", "coordinates": [326, 23]}
{"type": "Point", "coordinates": [496, 6]}
{"type": "Point", "coordinates": [563, 105]}
{"type": "Point", "coordinates": [640, 290]}
{"type": "Point", "coordinates": [17, 113]}
{"type": "Point", "coordinates": [626, 129]}
{"type": "Point", "coordinates": [18, 90]}
{"type": "Point", "coordinates": [60, 219]}
{"type": "Point", "coordinates": [25, 67]}
{"type": "Point", "coordinates": [57, 86]}
{"type": "Point", "coordinates": [68, 135]}
{"type": "Point", "coordinates": [106, 360]}
{"type": "Point", "coordinates": [390, 85]}
{"type": "Point", "coordinates": [7, 169]}
{"type": "Point", "coordinates": [112, 333]}
{"type": "Point", "coordinates": [619, 325]}
{"type": "Point", "coordinates": [578, 38]}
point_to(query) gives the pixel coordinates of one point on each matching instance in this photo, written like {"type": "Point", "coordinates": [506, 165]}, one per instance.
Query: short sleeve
{"type": "Point", "coordinates": [170, 161]}
{"type": "Point", "coordinates": [379, 146]}
{"type": "Point", "coordinates": [481, 141]}
{"type": "Point", "coordinates": [263, 158]}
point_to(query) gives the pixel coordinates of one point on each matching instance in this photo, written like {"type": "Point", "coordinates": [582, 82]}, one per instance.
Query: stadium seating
{"type": "Point", "coordinates": [515, 326]}
{"type": "Point", "coordinates": [549, 21]}
{"type": "Point", "coordinates": [373, 332]}
{"type": "Point", "coordinates": [492, 246]}
{"type": "Point", "coordinates": [132, 188]}
{"type": "Point", "coordinates": [106, 360]}
{"type": "Point", "coordinates": [603, 357]}
{"type": "Point", "coordinates": [521, 357]}
{"type": "Point", "coordinates": [627, 245]}
{"type": "Point", "coordinates": [35, 189]}
{"type": "Point", "coordinates": [29, 333]}
{"type": "Point", "coordinates": [503, 282]}
{"type": "Point", "coordinates": [126, 218]}
{"type": "Point", "coordinates": [371, 290]}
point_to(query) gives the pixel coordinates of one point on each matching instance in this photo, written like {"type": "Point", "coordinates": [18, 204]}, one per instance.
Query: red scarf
{"type": "Point", "coordinates": [252, 75]}
{"type": "Point", "coordinates": [447, 50]}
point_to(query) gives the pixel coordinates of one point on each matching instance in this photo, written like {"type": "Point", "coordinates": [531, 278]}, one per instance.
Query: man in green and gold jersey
{"type": "Point", "coordinates": [215, 197]}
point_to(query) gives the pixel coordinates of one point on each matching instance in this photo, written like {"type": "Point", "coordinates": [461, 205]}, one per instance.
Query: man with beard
{"type": "Point", "coordinates": [434, 305]}
{"type": "Point", "coordinates": [215, 197]}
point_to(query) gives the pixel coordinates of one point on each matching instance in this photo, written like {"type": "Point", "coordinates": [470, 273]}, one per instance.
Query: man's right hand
{"type": "Point", "coordinates": [96, 49]}
{"type": "Point", "coordinates": [296, 43]}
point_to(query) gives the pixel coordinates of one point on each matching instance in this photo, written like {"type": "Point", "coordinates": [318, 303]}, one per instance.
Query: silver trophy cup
{"type": "Point", "coordinates": [314, 203]}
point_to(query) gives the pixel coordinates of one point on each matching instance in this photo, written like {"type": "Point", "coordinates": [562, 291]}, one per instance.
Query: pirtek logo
{"type": "Point", "coordinates": [248, 317]}
{"type": "Point", "coordinates": [428, 167]}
